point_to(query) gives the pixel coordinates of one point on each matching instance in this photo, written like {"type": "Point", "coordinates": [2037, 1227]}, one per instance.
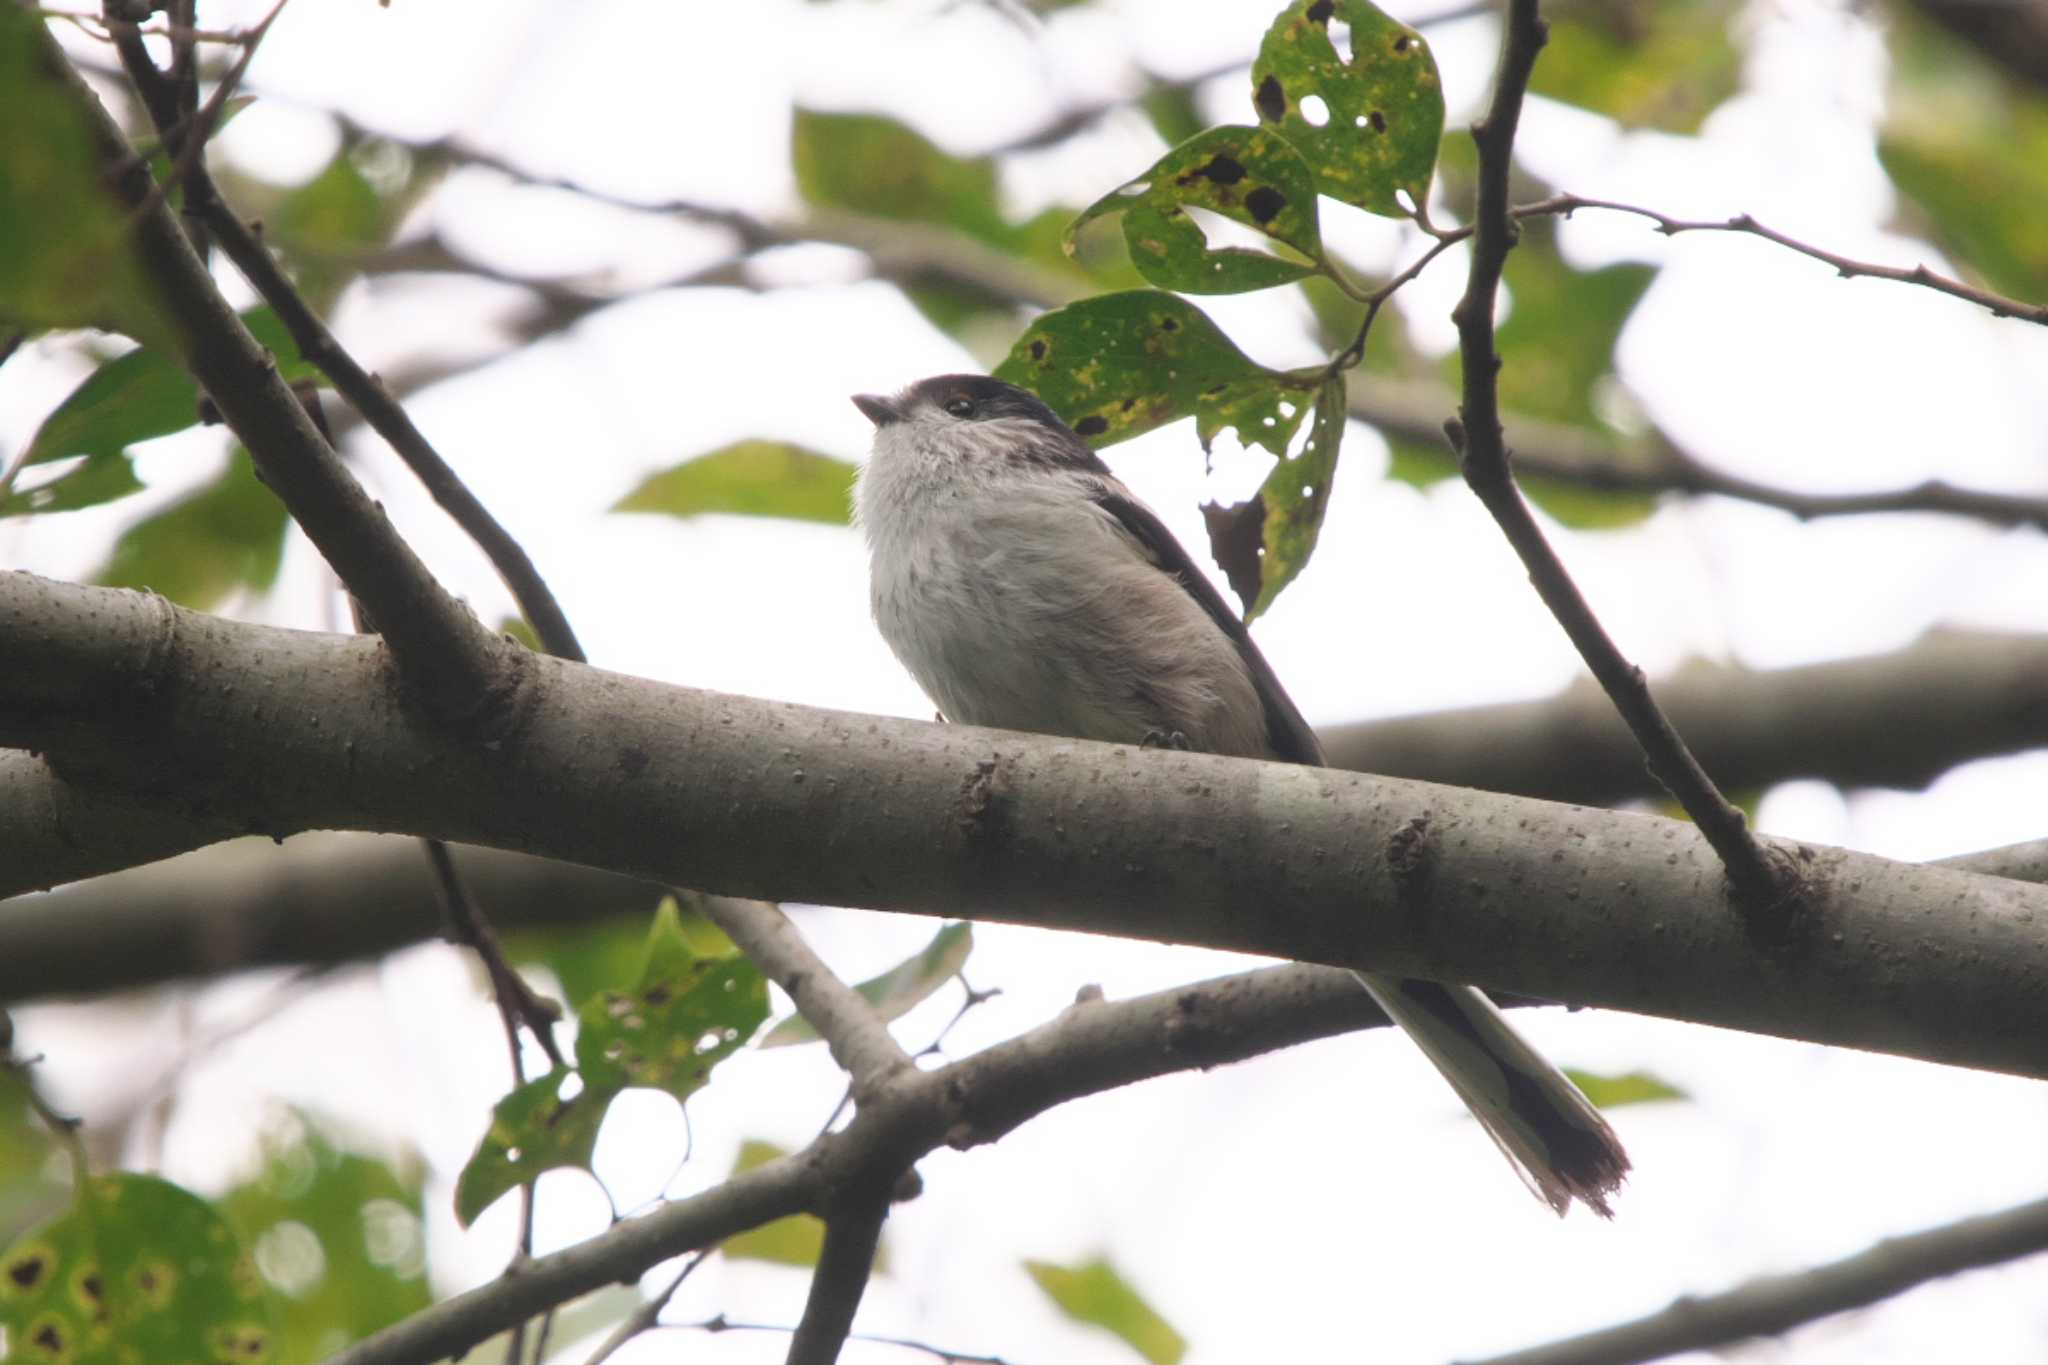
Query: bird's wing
{"type": "Point", "coordinates": [1287, 732]}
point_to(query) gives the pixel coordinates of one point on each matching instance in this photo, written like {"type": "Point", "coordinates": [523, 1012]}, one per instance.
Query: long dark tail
{"type": "Point", "coordinates": [1550, 1132]}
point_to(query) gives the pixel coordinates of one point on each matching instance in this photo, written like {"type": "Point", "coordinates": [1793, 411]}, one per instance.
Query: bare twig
{"type": "Point", "coordinates": [1778, 1303]}
{"type": "Point", "coordinates": [1998, 304]}
{"type": "Point", "coordinates": [648, 1315]}
{"type": "Point", "coordinates": [721, 1323]}
{"type": "Point", "coordinates": [1764, 883]}
{"type": "Point", "coordinates": [517, 1000]}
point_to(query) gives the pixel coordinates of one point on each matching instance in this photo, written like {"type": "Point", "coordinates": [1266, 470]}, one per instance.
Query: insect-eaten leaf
{"type": "Point", "coordinates": [685, 1014]}
{"type": "Point", "coordinates": [897, 991]}
{"type": "Point", "coordinates": [66, 252]}
{"type": "Point", "coordinates": [533, 1130]}
{"type": "Point", "coordinates": [1095, 1293]}
{"type": "Point", "coordinates": [138, 1269]}
{"type": "Point", "coordinates": [1118, 365]}
{"type": "Point", "coordinates": [1367, 121]}
{"type": "Point", "coordinates": [750, 478]}
{"type": "Point", "coordinates": [224, 536]}
{"type": "Point", "coordinates": [1249, 175]}
{"type": "Point", "coordinates": [1263, 544]}
{"type": "Point", "coordinates": [1633, 1087]}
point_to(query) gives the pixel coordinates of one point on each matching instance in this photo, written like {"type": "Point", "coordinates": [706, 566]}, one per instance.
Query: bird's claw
{"type": "Point", "coordinates": [1165, 739]}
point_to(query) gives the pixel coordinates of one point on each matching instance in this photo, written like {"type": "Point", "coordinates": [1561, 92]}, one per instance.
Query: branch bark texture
{"type": "Point", "coordinates": [263, 730]}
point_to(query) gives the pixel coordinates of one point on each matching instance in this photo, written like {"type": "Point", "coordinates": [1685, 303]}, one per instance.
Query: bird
{"type": "Point", "coordinates": [1025, 587]}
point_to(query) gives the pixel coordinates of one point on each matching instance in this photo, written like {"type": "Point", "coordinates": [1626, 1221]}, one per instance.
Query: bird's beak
{"type": "Point", "coordinates": [880, 411]}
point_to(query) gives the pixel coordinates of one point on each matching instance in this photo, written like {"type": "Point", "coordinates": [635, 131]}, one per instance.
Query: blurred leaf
{"type": "Point", "coordinates": [1265, 543]}
{"type": "Point", "coordinates": [138, 1270]}
{"type": "Point", "coordinates": [1569, 504]}
{"type": "Point", "coordinates": [1662, 64]}
{"type": "Point", "coordinates": [1249, 175]}
{"type": "Point", "coordinates": [750, 478]}
{"type": "Point", "coordinates": [1557, 343]}
{"type": "Point", "coordinates": [86, 484]}
{"type": "Point", "coordinates": [28, 1194]}
{"type": "Point", "coordinates": [1970, 151]}
{"type": "Point", "coordinates": [900, 989]}
{"type": "Point", "coordinates": [339, 1235]}
{"type": "Point", "coordinates": [1175, 115]}
{"type": "Point", "coordinates": [325, 226]}
{"type": "Point", "coordinates": [1634, 1087]}
{"type": "Point", "coordinates": [1380, 114]}
{"type": "Point", "coordinates": [1118, 365]}
{"type": "Point", "coordinates": [532, 1130]}
{"type": "Point", "coordinates": [227, 535]}
{"type": "Point", "coordinates": [796, 1240]}
{"type": "Point", "coordinates": [65, 253]}
{"type": "Point", "coordinates": [684, 1015]}
{"type": "Point", "coordinates": [1097, 1295]}
{"type": "Point", "coordinates": [886, 169]}
{"type": "Point", "coordinates": [517, 629]}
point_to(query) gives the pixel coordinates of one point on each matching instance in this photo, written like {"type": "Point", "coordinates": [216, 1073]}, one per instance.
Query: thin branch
{"type": "Point", "coordinates": [1778, 1303]}
{"type": "Point", "coordinates": [647, 1316]}
{"type": "Point", "coordinates": [852, 1232]}
{"type": "Point", "coordinates": [719, 1322]}
{"type": "Point", "coordinates": [860, 1042]}
{"type": "Point", "coordinates": [1848, 268]}
{"type": "Point", "coordinates": [458, 668]}
{"type": "Point", "coordinates": [1765, 885]}
{"type": "Point", "coordinates": [519, 1002]}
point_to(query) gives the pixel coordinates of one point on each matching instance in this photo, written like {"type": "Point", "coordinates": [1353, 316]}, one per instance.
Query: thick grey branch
{"type": "Point", "coordinates": [283, 731]}
{"type": "Point", "coordinates": [1778, 1303]}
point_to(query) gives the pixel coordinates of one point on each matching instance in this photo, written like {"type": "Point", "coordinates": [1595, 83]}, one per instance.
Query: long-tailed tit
{"type": "Point", "coordinates": [1024, 587]}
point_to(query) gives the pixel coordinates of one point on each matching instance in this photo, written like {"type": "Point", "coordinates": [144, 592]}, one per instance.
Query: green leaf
{"type": "Point", "coordinates": [327, 224]}
{"type": "Point", "coordinates": [1569, 504]}
{"type": "Point", "coordinates": [66, 259]}
{"type": "Point", "coordinates": [28, 1193]}
{"type": "Point", "coordinates": [1119, 365]}
{"type": "Point", "coordinates": [1374, 128]}
{"type": "Point", "coordinates": [1096, 1294]}
{"type": "Point", "coordinates": [1663, 64]}
{"type": "Point", "coordinates": [1633, 1087]}
{"type": "Point", "coordinates": [137, 1270]}
{"type": "Point", "coordinates": [685, 1014]}
{"type": "Point", "coordinates": [897, 991]}
{"type": "Point", "coordinates": [877, 166]}
{"type": "Point", "coordinates": [1249, 175]}
{"type": "Point", "coordinates": [1969, 151]}
{"type": "Point", "coordinates": [797, 1240]}
{"type": "Point", "coordinates": [533, 1130]}
{"type": "Point", "coordinates": [1263, 544]}
{"type": "Point", "coordinates": [750, 478]}
{"type": "Point", "coordinates": [1558, 341]}
{"type": "Point", "coordinates": [86, 484]}
{"type": "Point", "coordinates": [339, 1235]}
{"type": "Point", "coordinates": [227, 535]}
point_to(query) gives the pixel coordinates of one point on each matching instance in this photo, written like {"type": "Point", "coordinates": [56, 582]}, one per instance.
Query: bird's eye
{"type": "Point", "coordinates": [960, 407]}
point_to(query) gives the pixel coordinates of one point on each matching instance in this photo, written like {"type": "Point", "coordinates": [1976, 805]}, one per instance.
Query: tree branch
{"type": "Point", "coordinates": [1764, 883]}
{"type": "Point", "coordinates": [851, 1235]}
{"type": "Point", "coordinates": [784, 802]}
{"type": "Point", "coordinates": [1778, 1303]}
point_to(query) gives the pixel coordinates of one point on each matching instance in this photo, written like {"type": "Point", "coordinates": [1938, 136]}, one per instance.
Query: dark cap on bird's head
{"type": "Point", "coordinates": [969, 397]}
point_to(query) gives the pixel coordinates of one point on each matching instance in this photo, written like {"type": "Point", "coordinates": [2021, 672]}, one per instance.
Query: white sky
{"type": "Point", "coordinates": [1327, 1203]}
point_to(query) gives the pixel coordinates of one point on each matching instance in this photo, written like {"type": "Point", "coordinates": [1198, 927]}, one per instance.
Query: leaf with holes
{"type": "Point", "coordinates": [1265, 543]}
{"type": "Point", "coordinates": [226, 535]}
{"type": "Point", "coordinates": [66, 253]}
{"type": "Point", "coordinates": [1096, 1294]}
{"type": "Point", "coordinates": [750, 478]}
{"type": "Point", "coordinates": [137, 1270]}
{"type": "Point", "coordinates": [340, 1235]}
{"type": "Point", "coordinates": [685, 1014]}
{"type": "Point", "coordinates": [532, 1130]}
{"type": "Point", "coordinates": [1118, 365]}
{"type": "Point", "coordinates": [1249, 175]}
{"type": "Point", "coordinates": [900, 989]}
{"type": "Point", "coordinates": [1368, 125]}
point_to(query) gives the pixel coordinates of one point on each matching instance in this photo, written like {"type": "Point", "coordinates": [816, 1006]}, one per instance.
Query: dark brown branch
{"type": "Point", "coordinates": [1779, 1303]}
{"type": "Point", "coordinates": [466, 925]}
{"type": "Point", "coordinates": [1764, 884]}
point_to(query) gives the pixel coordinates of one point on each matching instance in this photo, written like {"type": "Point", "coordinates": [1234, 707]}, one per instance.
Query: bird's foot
{"type": "Point", "coordinates": [1165, 739]}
